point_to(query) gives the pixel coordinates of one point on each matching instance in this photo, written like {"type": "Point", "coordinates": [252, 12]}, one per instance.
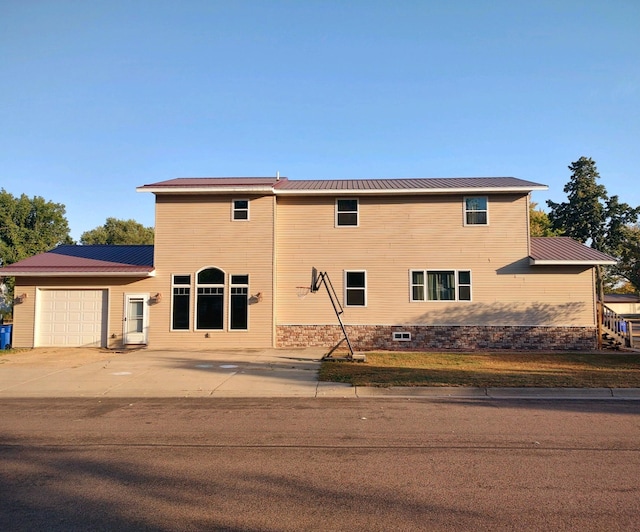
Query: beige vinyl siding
{"type": "Point", "coordinates": [26, 313]}
{"type": "Point", "coordinates": [196, 232]}
{"type": "Point", "coordinates": [398, 234]}
{"type": "Point", "coordinates": [624, 309]}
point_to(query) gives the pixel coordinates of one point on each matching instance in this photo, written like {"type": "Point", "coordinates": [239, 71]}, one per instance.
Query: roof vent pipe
{"type": "Point", "coordinates": [278, 176]}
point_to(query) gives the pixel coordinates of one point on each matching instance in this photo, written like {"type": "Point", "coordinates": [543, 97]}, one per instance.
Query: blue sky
{"type": "Point", "coordinates": [99, 97]}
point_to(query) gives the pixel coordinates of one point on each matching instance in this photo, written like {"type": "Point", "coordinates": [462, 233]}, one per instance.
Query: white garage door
{"type": "Point", "coordinates": [72, 318]}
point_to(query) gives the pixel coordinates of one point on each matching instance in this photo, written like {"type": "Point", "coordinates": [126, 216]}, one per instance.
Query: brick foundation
{"type": "Point", "coordinates": [456, 337]}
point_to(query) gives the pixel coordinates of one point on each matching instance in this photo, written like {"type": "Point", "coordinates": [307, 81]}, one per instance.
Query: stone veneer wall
{"type": "Point", "coordinates": [454, 337]}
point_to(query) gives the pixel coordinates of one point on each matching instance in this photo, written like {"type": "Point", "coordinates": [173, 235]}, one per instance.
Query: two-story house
{"type": "Point", "coordinates": [416, 264]}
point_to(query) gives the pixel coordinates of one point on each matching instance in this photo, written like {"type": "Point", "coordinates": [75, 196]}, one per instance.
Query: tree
{"type": "Point", "coordinates": [29, 226]}
{"type": "Point", "coordinates": [118, 232]}
{"type": "Point", "coordinates": [629, 265]}
{"type": "Point", "coordinates": [539, 223]}
{"type": "Point", "coordinates": [590, 215]}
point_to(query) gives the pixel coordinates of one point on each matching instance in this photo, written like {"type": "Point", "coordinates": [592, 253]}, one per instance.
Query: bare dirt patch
{"type": "Point", "coordinates": [55, 356]}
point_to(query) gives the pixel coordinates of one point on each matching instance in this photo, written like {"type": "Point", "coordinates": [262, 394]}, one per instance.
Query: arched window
{"type": "Point", "coordinates": [210, 302]}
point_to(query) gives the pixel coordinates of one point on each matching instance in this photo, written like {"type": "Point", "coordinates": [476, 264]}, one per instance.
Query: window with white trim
{"type": "Point", "coordinates": [239, 302]}
{"type": "Point", "coordinates": [440, 285]}
{"type": "Point", "coordinates": [181, 302]}
{"type": "Point", "coordinates": [240, 210]}
{"type": "Point", "coordinates": [355, 288]}
{"type": "Point", "coordinates": [347, 212]}
{"type": "Point", "coordinates": [476, 210]}
{"type": "Point", "coordinates": [210, 299]}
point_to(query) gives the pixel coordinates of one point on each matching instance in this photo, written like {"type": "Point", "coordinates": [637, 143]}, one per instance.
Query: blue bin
{"type": "Point", "coordinates": [5, 336]}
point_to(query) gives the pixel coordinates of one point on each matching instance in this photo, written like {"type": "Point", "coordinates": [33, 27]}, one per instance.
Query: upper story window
{"type": "Point", "coordinates": [240, 210]}
{"type": "Point", "coordinates": [476, 210]}
{"type": "Point", "coordinates": [440, 285]}
{"type": "Point", "coordinates": [347, 212]}
{"type": "Point", "coordinates": [355, 288]}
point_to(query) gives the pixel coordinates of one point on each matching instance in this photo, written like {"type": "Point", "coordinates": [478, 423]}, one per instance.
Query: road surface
{"type": "Point", "coordinates": [319, 464]}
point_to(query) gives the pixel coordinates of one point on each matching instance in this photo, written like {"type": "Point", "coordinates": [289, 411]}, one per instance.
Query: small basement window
{"type": "Point", "coordinates": [401, 336]}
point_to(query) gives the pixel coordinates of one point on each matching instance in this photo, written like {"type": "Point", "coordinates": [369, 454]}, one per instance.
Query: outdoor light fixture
{"type": "Point", "coordinates": [156, 298]}
{"type": "Point", "coordinates": [20, 298]}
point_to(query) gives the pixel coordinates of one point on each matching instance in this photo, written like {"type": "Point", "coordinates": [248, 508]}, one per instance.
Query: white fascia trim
{"type": "Point", "coordinates": [547, 262]}
{"type": "Point", "coordinates": [80, 274]}
{"type": "Point", "coordinates": [407, 191]}
{"type": "Point", "coordinates": [208, 190]}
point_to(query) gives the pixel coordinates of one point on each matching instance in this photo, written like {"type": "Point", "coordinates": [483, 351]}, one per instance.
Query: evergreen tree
{"type": "Point", "coordinates": [590, 215]}
{"type": "Point", "coordinates": [629, 265]}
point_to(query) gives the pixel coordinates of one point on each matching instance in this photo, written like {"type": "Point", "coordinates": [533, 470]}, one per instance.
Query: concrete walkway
{"type": "Point", "coordinates": [44, 372]}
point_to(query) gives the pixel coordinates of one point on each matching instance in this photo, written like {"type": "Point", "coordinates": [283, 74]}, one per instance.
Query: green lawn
{"type": "Point", "coordinates": [566, 370]}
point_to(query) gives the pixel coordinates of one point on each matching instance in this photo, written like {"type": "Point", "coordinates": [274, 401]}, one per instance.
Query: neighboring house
{"type": "Point", "coordinates": [623, 304]}
{"type": "Point", "coordinates": [416, 263]}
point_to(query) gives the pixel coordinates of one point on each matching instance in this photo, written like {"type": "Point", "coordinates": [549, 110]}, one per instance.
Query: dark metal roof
{"type": "Point", "coordinates": [565, 250]}
{"type": "Point", "coordinates": [429, 183]}
{"type": "Point", "coordinates": [86, 260]}
{"type": "Point", "coordinates": [134, 255]}
{"type": "Point", "coordinates": [621, 298]}
{"type": "Point", "coordinates": [199, 185]}
{"type": "Point", "coordinates": [216, 182]}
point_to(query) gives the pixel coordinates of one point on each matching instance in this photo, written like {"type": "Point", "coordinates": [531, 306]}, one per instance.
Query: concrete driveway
{"type": "Point", "coordinates": [79, 372]}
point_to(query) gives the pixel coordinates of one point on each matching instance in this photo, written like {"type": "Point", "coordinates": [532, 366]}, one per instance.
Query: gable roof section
{"type": "Point", "coordinates": [208, 185]}
{"type": "Point", "coordinates": [565, 251]}
{"type": "Point", "coordinates": [85, 261]}
{"type": "Point", "coordinates": [621, 298]}
{"type": "Point", "coordinates": [310, 187]}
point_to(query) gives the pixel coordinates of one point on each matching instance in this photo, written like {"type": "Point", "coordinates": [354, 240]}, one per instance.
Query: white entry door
{"type": "Point", "coordinates": [136, 319]}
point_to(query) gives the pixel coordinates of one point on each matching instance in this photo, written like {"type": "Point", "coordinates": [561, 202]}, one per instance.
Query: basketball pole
{"type": "Point", "coordinates": [323, 278]}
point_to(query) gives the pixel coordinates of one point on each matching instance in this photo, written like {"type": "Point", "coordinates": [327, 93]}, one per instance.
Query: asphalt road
{"type": "Point", "coordinates": [319, 464]}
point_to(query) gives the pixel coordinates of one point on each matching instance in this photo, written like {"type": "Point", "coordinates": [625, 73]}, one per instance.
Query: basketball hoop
{"type": "Point", "coordinates": [302, 291]}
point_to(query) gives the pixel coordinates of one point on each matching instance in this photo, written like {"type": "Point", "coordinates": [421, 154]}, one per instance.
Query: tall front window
{"type": "Point", "coordinates": [181, 288]}
{"type": "Point", "coordinates": [440, 285]}
{"type": "Point", "coordinates": [239, 304]}
{"type": "Point", "coordinates": [476, 211]}
{"type": "Point", "coordinates": [210, 303]}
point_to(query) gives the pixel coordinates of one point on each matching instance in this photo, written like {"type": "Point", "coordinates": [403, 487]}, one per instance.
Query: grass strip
{"type": "Point", "coordinates": [553, 370]}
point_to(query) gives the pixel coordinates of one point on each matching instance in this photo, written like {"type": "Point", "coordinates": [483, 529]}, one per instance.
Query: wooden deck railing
{"type": "Point", "coordinates": [617, 326]}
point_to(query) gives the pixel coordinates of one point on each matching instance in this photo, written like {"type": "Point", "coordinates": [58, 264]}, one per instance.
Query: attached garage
{"type": "Point", "coordinates": [71, 318]}
{"type": "Point", "coordinates": [73, 296]}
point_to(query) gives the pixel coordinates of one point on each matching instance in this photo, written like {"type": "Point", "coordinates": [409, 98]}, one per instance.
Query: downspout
{"type": "Point", "coordinates": [274, 273]}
